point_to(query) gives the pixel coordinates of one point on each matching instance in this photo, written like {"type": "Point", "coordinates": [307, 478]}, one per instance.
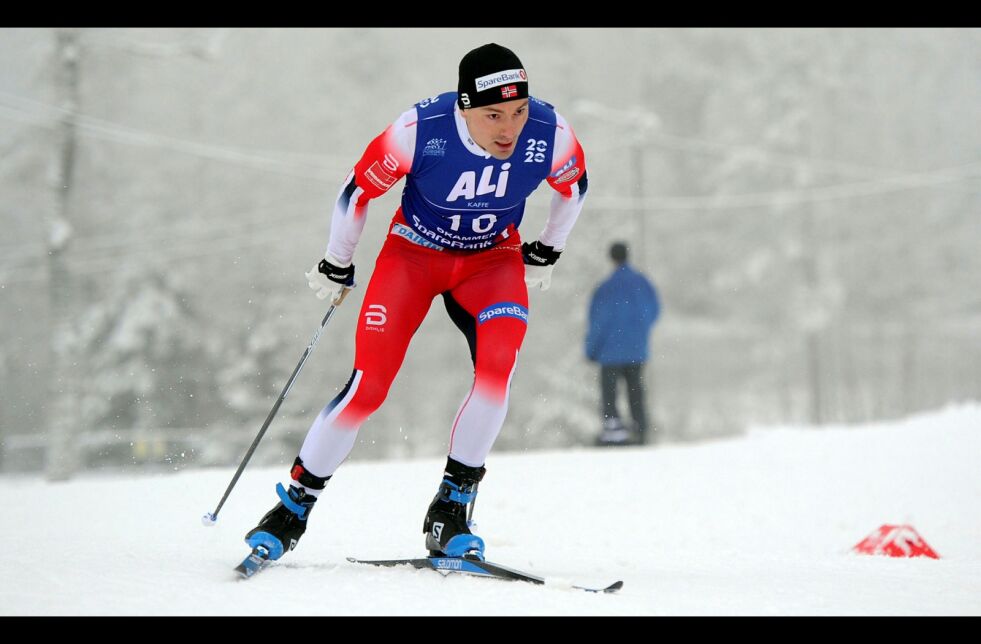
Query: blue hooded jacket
{"type": "Point", "coordinates": [621, 313]}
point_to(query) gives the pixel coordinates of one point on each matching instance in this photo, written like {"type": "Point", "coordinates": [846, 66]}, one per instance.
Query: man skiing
{"type": "Point", "coordinates": [470, 158]}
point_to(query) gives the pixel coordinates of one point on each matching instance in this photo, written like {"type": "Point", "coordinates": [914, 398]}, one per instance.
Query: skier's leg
{"type": "Point", "coordinates": [494, 301]}
{"type": "Point", "coordinates": [490, 305]}
{"type": "Point", "coordinates": [396, 300]}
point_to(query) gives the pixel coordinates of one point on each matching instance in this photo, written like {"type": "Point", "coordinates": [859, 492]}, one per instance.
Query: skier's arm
{"type": "Point", "coordinates": [386, 160]}
{"type": "Point", "coordinates": [568, 179]}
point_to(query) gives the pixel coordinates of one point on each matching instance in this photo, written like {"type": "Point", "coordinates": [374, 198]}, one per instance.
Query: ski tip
{"type": "Point", "coordinates": [612, 588]}
{"type": "Point", "coordinates": [257, 559]}
{"type": "Point", "coordinates": [244, 570]}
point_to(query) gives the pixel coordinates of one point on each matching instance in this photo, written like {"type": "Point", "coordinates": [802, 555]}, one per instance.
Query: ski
{"type": "Point", "coordinates": [256, 561]}
{"type": "Point", "coordinates": [447, 565]}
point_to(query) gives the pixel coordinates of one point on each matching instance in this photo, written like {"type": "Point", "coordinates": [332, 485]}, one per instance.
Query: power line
{"type": "Point", "coordinates": [303, 166]}
{"type": "Point", "coordinates": [298, 165]}
{"type": "Point", "coordinates": [772, 157]}
{"type": "Point", "coordinates": [115, 239]}
{"type": "Point", "coordinates": [200, 44]}
{"type": "Point", "coordinates": [646, 126]}
{"type": "Point", "coordinates": [797, 196]}
{"type": "Point", "coordinates": [161, 241]}
{"type": "Point", "coordinates": [211, 249]}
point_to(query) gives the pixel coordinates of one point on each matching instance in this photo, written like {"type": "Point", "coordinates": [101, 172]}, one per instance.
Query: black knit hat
{"type": "Point", "coordinates": [490, 74]}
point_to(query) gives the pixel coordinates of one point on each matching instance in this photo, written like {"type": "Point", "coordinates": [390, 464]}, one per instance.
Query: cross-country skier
{"type": "Point", "coordinates": [470, 158]}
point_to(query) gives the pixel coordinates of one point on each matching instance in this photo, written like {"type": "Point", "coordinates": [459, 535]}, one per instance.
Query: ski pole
{"type": "Point", "coordinates": [210, 518]}
{"type": "Point", "coordinates": [473, 504]}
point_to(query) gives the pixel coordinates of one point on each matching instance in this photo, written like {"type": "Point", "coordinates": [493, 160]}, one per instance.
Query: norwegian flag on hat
{"type": "Point", "coordinates": [509, 91]}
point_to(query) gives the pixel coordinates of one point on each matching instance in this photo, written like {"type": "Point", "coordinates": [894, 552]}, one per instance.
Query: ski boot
{"type": "Point", "coordinates": [281, 528]}
{"type": "Point", "coordinates": [447, 526]}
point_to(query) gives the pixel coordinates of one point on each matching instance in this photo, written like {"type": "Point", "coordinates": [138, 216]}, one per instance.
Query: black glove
{"type": "Point", "coordinates": [539, 261]}
{"type": "Point", "coordinates": [329, 279]}
{"type": "Point", "coordinates": [343, 275]}
{"type": "Point", "coordinates": [538, 254]}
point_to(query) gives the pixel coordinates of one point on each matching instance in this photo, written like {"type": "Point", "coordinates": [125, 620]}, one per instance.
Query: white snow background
{"type": "Point", "coordinates": [758, 525]}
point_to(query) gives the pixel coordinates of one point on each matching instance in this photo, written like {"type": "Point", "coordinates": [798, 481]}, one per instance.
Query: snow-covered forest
{"type": "Point", "coordinates": [808, 203]}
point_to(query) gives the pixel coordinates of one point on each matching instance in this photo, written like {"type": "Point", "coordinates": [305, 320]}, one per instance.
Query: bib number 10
{"type": "Point", "coordinates": [481, 224]}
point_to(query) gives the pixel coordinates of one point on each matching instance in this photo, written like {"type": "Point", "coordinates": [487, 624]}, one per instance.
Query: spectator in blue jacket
{"type": "Point", "coordinates": [622, 312]}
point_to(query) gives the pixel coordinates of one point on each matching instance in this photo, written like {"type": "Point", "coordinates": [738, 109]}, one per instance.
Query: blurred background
{"type": "Point", "coordinates": [807, 202]}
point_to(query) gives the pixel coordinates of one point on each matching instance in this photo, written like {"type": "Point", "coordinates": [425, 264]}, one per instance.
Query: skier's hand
{"type": "Point", "coordinates": [331, 277]}
{"type": "Point", "coordinates": [539, 262]}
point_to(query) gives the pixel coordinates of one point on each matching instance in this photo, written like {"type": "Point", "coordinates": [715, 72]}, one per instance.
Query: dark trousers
{"type": "Point", "coordinates": [633, 376]}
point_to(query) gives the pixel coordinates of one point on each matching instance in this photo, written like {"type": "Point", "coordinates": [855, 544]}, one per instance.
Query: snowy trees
{"type": "Point", "coordinates": [807, 204]}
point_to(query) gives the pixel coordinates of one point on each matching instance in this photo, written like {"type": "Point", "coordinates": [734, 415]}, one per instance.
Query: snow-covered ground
{"type": "Point", "coordinates": [759, 525]}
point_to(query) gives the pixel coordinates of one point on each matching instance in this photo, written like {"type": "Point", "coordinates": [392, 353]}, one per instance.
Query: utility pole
{"type": "Point", "coordinates": [640, 125]}
{"type": "Point", "coordinates": [639, 211]}
{"type": "Point", "coordinates": [63, 450]}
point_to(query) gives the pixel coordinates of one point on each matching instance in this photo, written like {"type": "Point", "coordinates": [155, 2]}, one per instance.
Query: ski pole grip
{"type": "Point", "coordinates": [340, 298]}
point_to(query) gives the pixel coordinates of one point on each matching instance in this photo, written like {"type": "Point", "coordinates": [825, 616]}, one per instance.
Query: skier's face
{"type": "Point", "coordinates": [496, 127]}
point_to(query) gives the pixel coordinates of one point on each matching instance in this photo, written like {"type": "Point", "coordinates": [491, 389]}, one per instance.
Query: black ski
{"type": "Point", "coordinates": [476, 567]}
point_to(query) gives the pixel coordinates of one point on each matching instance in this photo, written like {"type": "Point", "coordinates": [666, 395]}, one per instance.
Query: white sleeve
{"type": "Point", "coordinates": [568, 178]}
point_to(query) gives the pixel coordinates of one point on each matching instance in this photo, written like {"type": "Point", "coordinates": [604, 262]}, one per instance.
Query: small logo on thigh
{"type": "Point", "coordinates": [375, 317]}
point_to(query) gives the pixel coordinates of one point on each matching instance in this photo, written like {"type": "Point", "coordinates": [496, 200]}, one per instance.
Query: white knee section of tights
{"type": "Point", "coordinates": [327, 444]}
{"type": "Point", "coordinates": [477, 426]}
